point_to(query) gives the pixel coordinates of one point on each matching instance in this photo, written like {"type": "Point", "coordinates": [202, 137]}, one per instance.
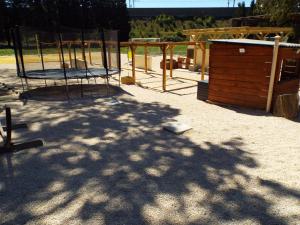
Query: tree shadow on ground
{"type": "Point", "coordinates": [113, 164]}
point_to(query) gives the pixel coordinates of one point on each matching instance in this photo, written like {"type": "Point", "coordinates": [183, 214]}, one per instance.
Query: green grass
{"type": "Point", "coordinates": [6, 51]}
{"type": "Point", "coordinates": [156, 50]}
{"type": "Point", "coordinates": [180, 49]}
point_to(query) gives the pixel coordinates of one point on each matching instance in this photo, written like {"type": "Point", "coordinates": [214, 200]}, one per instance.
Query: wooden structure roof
{"type": "Point", "coordinates": [256, 42]}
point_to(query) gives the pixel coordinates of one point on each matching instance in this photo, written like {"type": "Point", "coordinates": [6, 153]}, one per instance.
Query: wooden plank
{"type": "Point", "coordinates": [287, 87]}
{"type": "Point", "coordinates": [239, 84]}
{"type": "Point", "coordinates": [238, 65]}
{"type": "Point", "coordinates": [241, 59]}
{"type": "Point", "coordinates": [237, 91]}
{"type": "Point", "coordinates": [258, 72]}
{"type": "Point", "coordinates": [231, 97]}
{"type": "Point", "coordinates": [237, 78]}
{"type": "Point", "coordinates": [289, 53]}
{"type": "Point", "coordinates": [237, 102]}
{"type": "Point", "coordinates": [229, 50]}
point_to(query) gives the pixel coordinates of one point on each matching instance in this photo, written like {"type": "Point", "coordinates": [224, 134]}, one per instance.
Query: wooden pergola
{"type": "Point", "coordinates": [238, 32]}
{"type": "Point", "coordinates": [164, 46]}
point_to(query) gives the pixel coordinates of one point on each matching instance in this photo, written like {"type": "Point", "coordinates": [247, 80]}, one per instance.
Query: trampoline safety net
{"type": "Point", "coordinates": [67, 54]}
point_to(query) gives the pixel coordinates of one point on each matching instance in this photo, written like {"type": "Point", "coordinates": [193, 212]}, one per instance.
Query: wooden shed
{"type": "Point", "coordinates": [240, 71]}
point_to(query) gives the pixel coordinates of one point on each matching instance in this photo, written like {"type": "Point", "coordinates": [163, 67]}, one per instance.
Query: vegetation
{"type": "Point", "coordinates": [167, 27]}
{"type": "Point", "coordinates": [278, 10]}
{"type": "Point", "coordinates": [4, 52]}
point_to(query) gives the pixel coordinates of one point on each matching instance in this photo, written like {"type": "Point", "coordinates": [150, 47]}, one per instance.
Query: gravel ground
{"type": "Point", "coordinates": [106, 163]}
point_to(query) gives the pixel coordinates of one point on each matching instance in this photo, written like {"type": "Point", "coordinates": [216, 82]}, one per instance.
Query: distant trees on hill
{"type": "Point", "coordinates": [167, 27]}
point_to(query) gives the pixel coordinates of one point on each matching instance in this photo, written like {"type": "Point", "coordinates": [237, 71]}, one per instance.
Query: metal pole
{"type": "Point", "coordinates": [83, 55]}
{"type": "Point", "coordinates": [105, 59]}
{"type": "Point", "coordinates": [21, 55]}
{"type": "Point", "coordinates": [63, 62]}
{"type": "Point", "coordinates": [119, 57]}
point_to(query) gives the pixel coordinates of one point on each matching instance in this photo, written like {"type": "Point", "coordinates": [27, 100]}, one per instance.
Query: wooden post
{"type": "Point", "coordinates": [90, 53]}
{"type": "Point", "coordinates": [195, 55]}
{"type": "Point", "coordinates": [171, 60]}
{"type": "Point", "coordinates": [59, 55]}
{"type": "Point", "coordinates": [273, 73]}
{"type": "Point", "coordinates": [70, 54]}
{"type": "Point", "coordinates": [146, 57]}
{"type": "Point", "coordinates": [203, 48]}
{"type": "Point", "coordinates": [83, 52]}
{"type": "Point", "coordinates": [164, 80]}
{"type": "Point", "coordinates": [109, 57]}
{"type": "Point", "coordinates": [133, 48]}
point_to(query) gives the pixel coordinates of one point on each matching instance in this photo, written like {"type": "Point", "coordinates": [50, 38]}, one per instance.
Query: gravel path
{"type": "Point", "coordinates": [105, 163]}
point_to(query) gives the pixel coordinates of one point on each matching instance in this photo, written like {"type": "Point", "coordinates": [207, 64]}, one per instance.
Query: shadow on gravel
{"type": "Point", "coordinates": [115, 165]}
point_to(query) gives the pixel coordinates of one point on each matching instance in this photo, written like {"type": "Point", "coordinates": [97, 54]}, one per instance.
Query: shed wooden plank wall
{"type": "Point", "coordinates": [288, 86]}
{"type": "Point", "coordinates": [240, 78]}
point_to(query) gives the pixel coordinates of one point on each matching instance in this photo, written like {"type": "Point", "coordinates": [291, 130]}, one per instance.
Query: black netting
{"type": "Point", "coordinates": [112, 49]}
{"type": "Point", "coordinates": [67, 54]}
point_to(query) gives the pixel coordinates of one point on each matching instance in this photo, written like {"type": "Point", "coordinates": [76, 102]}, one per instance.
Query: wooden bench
{"type": "Point", "coordinates": [6, 134]}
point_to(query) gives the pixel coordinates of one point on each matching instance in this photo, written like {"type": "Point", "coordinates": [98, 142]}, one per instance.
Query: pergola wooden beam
{"type": "Point", "coordinates": [241, 32]}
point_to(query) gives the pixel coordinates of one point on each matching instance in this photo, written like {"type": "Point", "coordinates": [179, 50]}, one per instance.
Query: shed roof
{"type": "Point", "coordinates": [255, 42]}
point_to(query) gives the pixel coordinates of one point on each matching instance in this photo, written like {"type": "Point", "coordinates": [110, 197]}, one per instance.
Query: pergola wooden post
{"type": "Point", "coordinates": [203, 49]}
{"type": "Point", "coordinates": [164, 80]}
{"type": "Point", "coordinates": [171, 47]}
{"type": "Point", "coordinates": [59, 54]}
{"type": "Point", "coordinates": [196, 46]}
{"type": "Point", "coordinates": [70, 54]}
{"type": "Point", "coordinates": [133, 48]}
{"type": "Point", "coordinates": [146, 58]}
{"type": "Point", "coordinates": [90, 54]}
{"type": "Point", "coordinates": [164, 46]}
{"type": "Point", "coordinates": [109, 57]}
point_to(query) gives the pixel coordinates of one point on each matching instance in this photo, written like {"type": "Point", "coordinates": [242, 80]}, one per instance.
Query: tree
{"type": "Point", "coordinates": [278, 10]}
{"type": "Point", "coordinates": [252, 8]}
{"type": "Point", "coordinates": [241, 10]}
{"type": "Point", "coordinates": [280, 13]}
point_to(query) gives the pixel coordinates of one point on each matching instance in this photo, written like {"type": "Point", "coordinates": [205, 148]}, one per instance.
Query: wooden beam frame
{"type": "Point", "coordinates": [164, 46]}
{"type": "Point", "coordinates": [237, 32]}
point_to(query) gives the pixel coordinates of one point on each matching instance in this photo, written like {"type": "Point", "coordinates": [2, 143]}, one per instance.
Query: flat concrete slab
{"type": "Point", "coordinates": [177, 127]}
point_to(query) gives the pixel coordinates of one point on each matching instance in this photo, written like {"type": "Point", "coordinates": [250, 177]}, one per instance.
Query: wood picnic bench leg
{"type": "Point", "coordinates": [8, 145]}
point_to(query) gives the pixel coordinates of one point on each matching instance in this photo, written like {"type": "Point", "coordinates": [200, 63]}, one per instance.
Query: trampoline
{"type": "Point", "coordinates": [65, 55]}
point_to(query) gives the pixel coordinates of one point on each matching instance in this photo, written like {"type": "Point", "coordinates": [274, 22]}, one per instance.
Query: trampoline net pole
{"type": "Point", "coordinates": [119, 57]}
{"type": "Point", "coordinates": [63, 62]}
{"type": "Point", "coordinates": [104, 53]}
{"type": "Point", "coordinates": [83, 54]}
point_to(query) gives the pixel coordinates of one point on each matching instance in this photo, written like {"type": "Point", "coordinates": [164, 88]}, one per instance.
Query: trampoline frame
{"type": "Point", "coordinates": [64, 73]}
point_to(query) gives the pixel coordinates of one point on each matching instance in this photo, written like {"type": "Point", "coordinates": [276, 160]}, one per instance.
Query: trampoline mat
{"type": "Point", "coordinates": [57, 74]}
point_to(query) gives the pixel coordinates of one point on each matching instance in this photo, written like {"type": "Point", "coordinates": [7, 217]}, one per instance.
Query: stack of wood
{"type": "Point", "coordinates": [168, 64]}
{"type": "Point", "coordinates": [287, 106]}
{"type": "Point", "coordinates": [184, 63]}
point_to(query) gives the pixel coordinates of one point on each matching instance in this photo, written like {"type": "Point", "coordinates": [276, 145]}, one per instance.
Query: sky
{"type": "Point", "coordinates": [183, 3]}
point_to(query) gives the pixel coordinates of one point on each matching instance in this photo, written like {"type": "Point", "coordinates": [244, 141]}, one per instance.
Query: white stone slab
{"type": "Point", "coordinates": [177, 127]}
